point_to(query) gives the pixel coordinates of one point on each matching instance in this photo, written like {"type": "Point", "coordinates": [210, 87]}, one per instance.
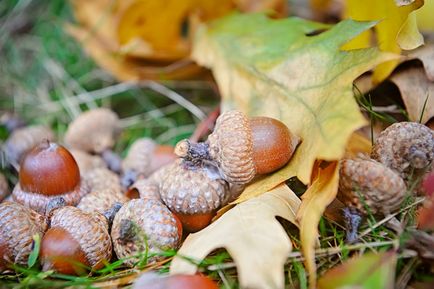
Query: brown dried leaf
{"type": "Point", "coordinates": [252, 235]}
{"type": "Point", "coordinates": [426, 55]}
{"type": "Point", "coordinates": [415, 90]}
{"type": "Point", "coordinates": [314, 202]}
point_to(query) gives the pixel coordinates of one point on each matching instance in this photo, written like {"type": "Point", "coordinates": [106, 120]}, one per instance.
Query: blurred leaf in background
{"type": "Point", "coordinates": [151, 39]}
{"type": "Point", "coordinates": [370, 271]}
{"type": "Point", "coordinates": [396, 29]}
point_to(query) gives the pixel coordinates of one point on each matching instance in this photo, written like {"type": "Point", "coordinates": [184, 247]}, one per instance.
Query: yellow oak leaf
{"type": "Point", "coordinates": [278, 69]}
{"type": "Point", "coordinates": [396, 29]}
{"type": "Point", "coordinates": [253, 237]}
{"type": "Point", "coordinates": [314, 202]}
{"type": "Point", "coordinates": [424, 16]}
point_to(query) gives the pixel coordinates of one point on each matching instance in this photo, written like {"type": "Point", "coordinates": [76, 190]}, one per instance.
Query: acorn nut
{"type": "Point", "coordinates": [144, 225]}
{"type": "Point", "coordinates": [193, 192]}
{"type": "Point", "coordinates": [23, 140]}
{"type": "Point", "coordinates": [101, 201]}
{"type": "Point", "coordinates": [368, 187]}
{"type": "Point", "coordinates": [4, 187]}
{"type": "Point", "coordinates": [87, 162]}
{"type": "Point", "coordinates": [48, 171]}
{"type": "Point", "coordinates": [145, 157]}
{"type": "Point", "coordinates": [101, 179]}
{"type": "Point", "coordinates": [76, 240]}
{"type": "Point", "coordinates": [95, 131]}
{"type": "Point", "coordinates": [144, 189]}
{"type": "Point", "coordinates": [405, 147]}
{"type": "Point", "coordinates": [18, 225]}
{"type": "Point", "coordinates": [243, 147]}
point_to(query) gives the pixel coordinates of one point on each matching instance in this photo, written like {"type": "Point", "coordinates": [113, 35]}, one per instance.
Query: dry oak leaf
{"type": "Point", "coordinates": [272, 68]}
{"type": "Point", "coordinates": [396, 30]}
{"type": "Point", "coordinates": [314, 202]}
{"type": "Point", "coordinates": [370, 271]}
{"type": "Point", "coordinates": [417, 92]}
{"type": "Point", "coordinates": [253, 237]}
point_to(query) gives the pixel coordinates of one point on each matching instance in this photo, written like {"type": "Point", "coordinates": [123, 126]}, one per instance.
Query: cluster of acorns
{"type": "Point", "coordinates": [402, 154]}
{"type": "Point", "coordinates": [83, 201]}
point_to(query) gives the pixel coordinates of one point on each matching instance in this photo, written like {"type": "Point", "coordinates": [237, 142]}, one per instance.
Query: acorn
{"type": "Point", "coordinates": [4, 187]}
{"type": "Point", "coordinates": [76, 241]}
{"type": "Point", "coordinates": [95, 131]}
{"type": "Point", "coordinates": [87, 162]}
{"type": "Point", "coordinates": [101, 201]}
{"type": "Point", "coordinates": [151, 280]}
{"type": "Point", "coordinates": [18, 226]}
{"type": "Point", "coordinates": [405, 147]}
{"type": "Point", "coordinates": [144, 189]}
{"type": "Point", "coordinates": [143, 158]}
{"type": "Point", "coordinates": [194, 192]}
{"type": "Point", "coordinates": [23, 140]}
{"type": "Point", "coordinates": [101, 179]}
{"type": "Point", "coordinates": [144, 225]}
{"type": "Point", "coordinates": [48, 171]}
{"type": "Point", "coordinates": [368, 187]}
{"type": "Point", "coordinates": [243, 147]}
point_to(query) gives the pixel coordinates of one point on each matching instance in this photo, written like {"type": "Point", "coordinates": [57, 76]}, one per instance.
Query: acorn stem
{"type": "Point", "coordinates": [193, 153]}
{"type": "Point", "coordinates": [111, 213]}
{"type": "Point", "coordinates": [128, 178]}
{"type": "Point", "coordinates": [54, 204]}
{"type": "Point", "coordinates": [353, 219]}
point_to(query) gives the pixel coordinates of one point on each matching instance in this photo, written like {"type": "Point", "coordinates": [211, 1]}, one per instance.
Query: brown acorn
{"type": "Point", "coordinates": [144, 225]}
{"type": "Point", "coordinates": [18, 225]}
{"type": "Point", "coordinates": [76, 241]}
{"type": "Point", "coordinates": [243, 147]}
{"type": "Point", "coordinates": [48, 171]}
{"type": "Point", "coordinates": [193, 192]}
{"type": "Point", "coordinates": [368, 187]}
{"type": "Point", "coordinates": [101, 201]}
{"type": "Point", "coordinates": [143, 158]}
{"type": "Point", "coordinates": [4, 187]}
{"type": "Point", "coordinates": [87, 162]}
{"type": "Point", "coordinates": [101, 179]}
{"type": "Point", "coordinates": [144, 189]}
{"type": "Point", "coordinates": [405, 147]}
{"type": "Point", "coordinates": [23, 140]}
{"type": "Point", "coordinates": [93, 131]}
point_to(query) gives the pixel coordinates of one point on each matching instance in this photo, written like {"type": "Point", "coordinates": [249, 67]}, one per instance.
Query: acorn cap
{"type": "Point", "coordinates": [101, 179]}
{"type": "Point", "coordinates": [405, 147]}
{"type": "Point", "coordinates": [101, 201]}
{"type": "Point", "coordinates": [193, 190]}
{"type": "Point", "coordinates": [18, 225]}
{"type": "Point", "coordinates": [90, 230]}
{"type": "Point", "coordinates": [231, 146]}
{"type": "Point", "coordinates": [39, 202]}
{"type": "Point", "coordinates": [23, 139]}
{"type": "Point", "coordinates": [139, 157]}
{"type": "Point", "coordinates": [368, 183]}
{"type": "Point", "coordinates": [147, 189]}
{"type": "Point", "coordinates": [144, 225]}
{"type": "Point", "coordinates": [93, 131]}
{"type": "Point", "coordinates": [87, 162]}
{"type": "Point", "coordinates": [4, 187]}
